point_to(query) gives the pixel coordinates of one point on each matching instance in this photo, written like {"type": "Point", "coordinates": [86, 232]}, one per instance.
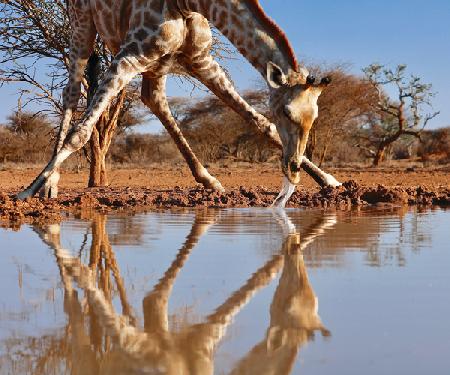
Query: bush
{"type": "Point", "coordinates": [143, 149]}
{"type": "Point", "coordinates": [435, 145]}
{"type": "Point", "coordinates": [26, 138]}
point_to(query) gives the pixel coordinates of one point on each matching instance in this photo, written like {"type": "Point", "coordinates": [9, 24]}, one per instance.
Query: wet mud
{"type": "Point", "coordinates": [13, 211]}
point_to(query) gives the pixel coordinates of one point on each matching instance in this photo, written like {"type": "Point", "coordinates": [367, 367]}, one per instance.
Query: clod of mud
{"type": "Point", "coordinates": [13, 212]}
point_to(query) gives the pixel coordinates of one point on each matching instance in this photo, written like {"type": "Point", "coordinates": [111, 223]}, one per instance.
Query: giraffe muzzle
{"type": "Point", "coordinates": [291, 170]}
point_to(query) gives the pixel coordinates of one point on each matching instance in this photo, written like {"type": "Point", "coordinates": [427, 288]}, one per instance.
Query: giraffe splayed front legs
{"type": "Point", "coordinates": [158, 37]}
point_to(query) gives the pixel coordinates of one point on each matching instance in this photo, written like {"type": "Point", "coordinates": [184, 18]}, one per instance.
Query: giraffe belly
{"type": "Point", "coordinates": [112, 20]}
{"type": "Point", "coordinates": [116, 23]}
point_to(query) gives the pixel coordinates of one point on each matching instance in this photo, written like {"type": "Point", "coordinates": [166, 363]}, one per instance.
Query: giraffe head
{"type": "Point", "coordinates": [293, 101]}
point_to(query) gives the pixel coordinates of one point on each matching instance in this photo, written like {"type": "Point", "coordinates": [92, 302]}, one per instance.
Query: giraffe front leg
{"type": "Point", "coordinates": [121, 71]}
{"type": "Point", "coordinates": [71, 96]}
{"type": "Point", "coordinates": [153, 95]}
{"type": "Point", "coordinates": [322, 178]}
{"type": "Point", "coordinates": [50, 188]}
{"type": "Point", "coordinates": [82, 40]}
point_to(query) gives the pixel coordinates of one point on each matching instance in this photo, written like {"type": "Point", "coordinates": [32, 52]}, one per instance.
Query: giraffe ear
{"type": "Point", "coordinates": [275, 76]}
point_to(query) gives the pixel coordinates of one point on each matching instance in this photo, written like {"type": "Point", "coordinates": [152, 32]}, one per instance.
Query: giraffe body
{"type": "Point", "coordinates": [159, 37]}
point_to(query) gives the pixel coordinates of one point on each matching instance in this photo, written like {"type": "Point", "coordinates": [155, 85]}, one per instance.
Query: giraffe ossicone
{"type": "Point", "coordinates": [158, 37]}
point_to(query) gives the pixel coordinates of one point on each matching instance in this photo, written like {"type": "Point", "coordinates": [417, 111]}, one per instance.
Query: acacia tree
{"type": "Point", "coordinates": [24, 138]}
{"type": "Point", "coordinates": [342, 107]}
{"type": "Point", "coordinates": [34, 53]}
{"type": "Point", "coordinates": [202, 122]}
{"type": "Point", "coordinates": [403, 116]}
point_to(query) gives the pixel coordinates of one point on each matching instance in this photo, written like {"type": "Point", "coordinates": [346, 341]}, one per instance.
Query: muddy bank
{"type": "Point", "coordinates": [13, 212]}
{"type": "Point", "coordinates": [141, 199]}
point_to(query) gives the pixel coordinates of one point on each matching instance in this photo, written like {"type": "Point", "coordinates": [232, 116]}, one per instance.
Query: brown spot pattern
{"type": "Point", "coordinates": [274, 30]}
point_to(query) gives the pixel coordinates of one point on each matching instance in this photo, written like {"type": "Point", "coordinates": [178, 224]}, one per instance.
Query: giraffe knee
{"type": "Point", "coordinates": [78, 138]}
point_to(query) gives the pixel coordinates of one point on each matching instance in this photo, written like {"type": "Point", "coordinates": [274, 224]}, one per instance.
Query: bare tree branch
{"type": "Point", "coordinates": [396, 119]}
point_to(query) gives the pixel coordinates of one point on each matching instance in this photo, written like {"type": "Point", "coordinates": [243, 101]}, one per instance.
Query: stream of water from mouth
{"type": "Point", "coordinates": [285, 194]}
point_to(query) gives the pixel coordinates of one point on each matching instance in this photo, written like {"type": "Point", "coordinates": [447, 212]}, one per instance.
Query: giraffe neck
{"type": "Point", "coordinates": [249, 29]}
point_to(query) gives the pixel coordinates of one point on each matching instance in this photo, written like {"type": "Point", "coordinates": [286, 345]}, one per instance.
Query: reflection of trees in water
{"type": "Point", "coordinates": [362, 230]}
{"type": "Point", "coordinates": [43, 355]}
{"type": "Point", "coordinates": [124, 229]}
{"type": "Point", "coordinates": [410, 236]}
{"type": "Point", "coordinates": [83, 340]}
{"type": "Point", "coordinates": [384, 237]}
{"type": "Point", "coordinates": [97, 340]}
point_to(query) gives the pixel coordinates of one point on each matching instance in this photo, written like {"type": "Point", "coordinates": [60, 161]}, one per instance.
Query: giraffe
{"type": "Point", "coordinates": [158, 37]}
{"type": "Point", "coordinates": [156, 348]}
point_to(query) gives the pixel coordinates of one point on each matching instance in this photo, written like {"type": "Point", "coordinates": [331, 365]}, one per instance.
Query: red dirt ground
{"type": "Point", "coordinates": [247, 185]}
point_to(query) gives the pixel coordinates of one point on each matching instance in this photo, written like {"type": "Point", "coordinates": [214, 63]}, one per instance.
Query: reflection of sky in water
{"type": "Point", "coordinates": [382, 281]}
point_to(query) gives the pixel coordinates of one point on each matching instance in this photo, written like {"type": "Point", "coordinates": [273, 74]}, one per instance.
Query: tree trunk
{"type": "Point", "coordinates": [381, 152]}
{"type": "Point", "coordinates": [325, 147]}
{"type": "Point", "coordinates": [105, 127]}
{"type": "Point", "coordinates": [97, 172]}
{"type": "Point", "coordinates": [324, 153]}
{"type": "Point", "coordinates": [100, 141]}
{"type": "Point", "coordinates": [379, 156]}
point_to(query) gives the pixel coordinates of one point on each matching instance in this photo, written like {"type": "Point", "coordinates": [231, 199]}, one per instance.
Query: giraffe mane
{"type": "Point", "coordinates": [275, 31]}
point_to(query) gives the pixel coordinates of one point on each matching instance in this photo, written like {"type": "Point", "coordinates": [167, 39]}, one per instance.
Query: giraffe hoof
{"type": "Point", "coordinates": [330, 181]}
{"type": "Point", "coordinates": [214, 184]}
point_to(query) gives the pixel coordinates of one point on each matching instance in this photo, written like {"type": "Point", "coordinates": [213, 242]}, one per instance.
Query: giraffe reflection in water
{"type": "Point", "coordinates": [115, 345]}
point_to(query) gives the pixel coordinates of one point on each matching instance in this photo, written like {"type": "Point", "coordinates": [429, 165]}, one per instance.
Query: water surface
{"type": "Point", "coordinates": [250, 291]}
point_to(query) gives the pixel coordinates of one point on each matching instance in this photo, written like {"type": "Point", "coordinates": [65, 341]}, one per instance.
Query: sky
{"type": "Point", "coordinates": [355, 33]}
